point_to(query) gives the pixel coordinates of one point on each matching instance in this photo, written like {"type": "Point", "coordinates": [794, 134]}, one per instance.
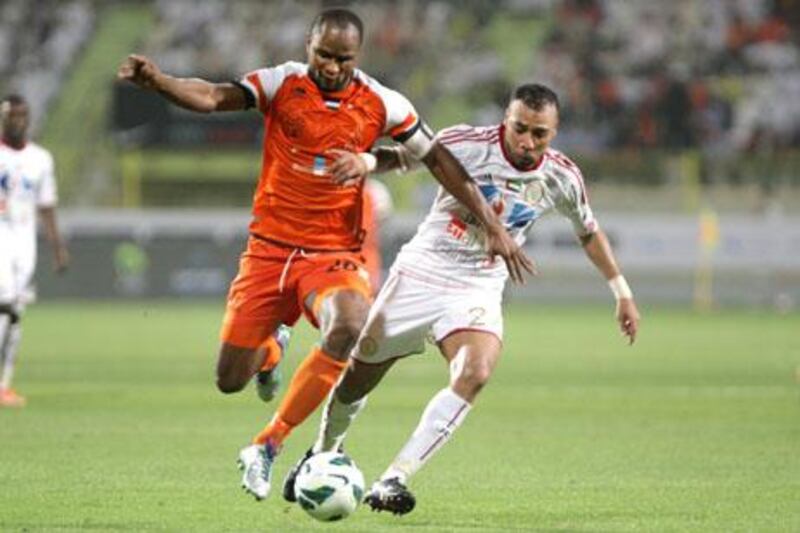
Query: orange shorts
{"type": "Point", "coordinates": [274, 283]}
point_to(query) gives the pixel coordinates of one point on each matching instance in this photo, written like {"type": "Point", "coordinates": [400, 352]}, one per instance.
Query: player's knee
{"type": "Point", "coordinates": [473, 378]}
{"type": "Point", "coordinates": [230, 384]}
{"type": "Point", "coordinates": [235, 367]}
{"type": "Point", "coordinates": [341, 337]}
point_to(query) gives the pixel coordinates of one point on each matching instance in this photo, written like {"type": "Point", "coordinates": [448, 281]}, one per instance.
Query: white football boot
{"type": "Point", "coordinates": [256, 463]}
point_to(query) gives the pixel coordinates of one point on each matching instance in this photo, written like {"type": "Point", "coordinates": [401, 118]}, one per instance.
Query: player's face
{"type": "Point", "coordinates": [528, 132]}
{"type": "Point", "coordinates": [332, 56]}
{"type": "Point", "coordinates": [14, 119]}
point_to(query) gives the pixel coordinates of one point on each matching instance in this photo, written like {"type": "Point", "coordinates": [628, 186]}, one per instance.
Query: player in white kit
{"type": "Point", "coordinates": [443, 284]}
{"type": "Point", "coordinates": [27, 186]}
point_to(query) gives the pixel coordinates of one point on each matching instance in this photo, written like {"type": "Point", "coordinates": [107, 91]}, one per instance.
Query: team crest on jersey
{"type": "Point", "coordinates": [534, 192]}
{"type": "Point", "coordinates": [5, 182]}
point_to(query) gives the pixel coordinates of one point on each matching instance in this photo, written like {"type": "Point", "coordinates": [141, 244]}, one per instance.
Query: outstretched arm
{"type": "Point", "coordinates": [599, 251]}
{"type": "Point", "coordinates": [449, 172]}
{"type": "Point", "coordinates": [61, 257]}
{"type": "Point", "coordinates": [190, 93]}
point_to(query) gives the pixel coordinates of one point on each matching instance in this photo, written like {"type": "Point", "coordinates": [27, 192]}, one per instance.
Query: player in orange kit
{"type": "Point", "coordinates": [303, 255]}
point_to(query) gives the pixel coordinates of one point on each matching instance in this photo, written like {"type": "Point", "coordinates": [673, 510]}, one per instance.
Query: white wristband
{"type": "Point", "coordinates": [370, 160]}
{"type": "Point", "coordinates": [620, 287]}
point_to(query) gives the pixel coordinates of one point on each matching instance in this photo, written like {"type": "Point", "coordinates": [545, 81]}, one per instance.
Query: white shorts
{"type": "Point", "coordinates": [411, 305]}
{"type": "Point", "coordinates": [16, 274]}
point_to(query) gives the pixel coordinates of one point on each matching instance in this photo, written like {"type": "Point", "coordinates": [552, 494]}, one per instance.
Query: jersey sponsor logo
{"type": "Point", "coordinates": [457, 228]}
{"type": "Point", "coordinates": [319, 166]}
{"type": "Point", "coordinates": [520, 216]}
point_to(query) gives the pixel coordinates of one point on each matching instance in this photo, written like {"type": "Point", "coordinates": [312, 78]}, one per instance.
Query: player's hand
{"type": "Point", "coordinates": [499, 242]}
{"type": "Point", "coordinates": [347, 168]}
{"type": "Point", "coordinates": [139, 70]}
{"type": "Point", "coordinates": [61, 259]}
{"type": "Point", "coordinates": [628, 318]}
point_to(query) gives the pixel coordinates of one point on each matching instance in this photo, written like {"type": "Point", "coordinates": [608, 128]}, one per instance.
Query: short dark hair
{"type": "Point", "coordinates": [14, 99]}
{"type": "Point", "coordinates": [339, 17]}
{"type": "Point", "coordinates": [536, 96]}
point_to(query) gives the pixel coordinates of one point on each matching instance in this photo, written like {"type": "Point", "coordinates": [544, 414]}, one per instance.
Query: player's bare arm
{"type": "Point", "coordinates": [60, 254]}
{"type": "Point", "coordinates": [193, 94]}
{"type": "Point", "coordinates": [599, 251]}
{"type": "Point", "coordinates": [449, 172]}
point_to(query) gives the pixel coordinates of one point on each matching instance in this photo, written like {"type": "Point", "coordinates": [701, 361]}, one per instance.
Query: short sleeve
{"type": "Point", "coordinates": [460, 141]}
{"type": "Point", "coordinates": [571, 200]}
{"type": "Point", "coordinates": [47, 195]}
{"type": "Point", "coordinates": [261, 85]}
{"type": "Point", "coordinates": [404, 125]}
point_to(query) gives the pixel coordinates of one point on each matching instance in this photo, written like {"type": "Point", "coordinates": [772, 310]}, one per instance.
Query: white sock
{"type": "Point", "coordinates": [336, 420]}
{"type": "Point", "coordinates": [5, 323]}
{"type": "Point", "coordinates": [10, 354]}
{"type": "Point", "coordinates": [444, 413]}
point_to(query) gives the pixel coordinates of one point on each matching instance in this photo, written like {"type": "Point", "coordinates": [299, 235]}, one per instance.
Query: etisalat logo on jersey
{"type": "Point", "coordinates": [5, 182]}
{"type": "Point", "coordinates": [319, 167]}
{"type": "Point", "coordinates": [5, 188]}
{"type": "Point", "coordinates": [512, 209]}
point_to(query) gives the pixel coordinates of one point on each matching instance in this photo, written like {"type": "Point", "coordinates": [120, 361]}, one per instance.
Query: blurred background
{"type": "Point", "coordinates": [683, 115]}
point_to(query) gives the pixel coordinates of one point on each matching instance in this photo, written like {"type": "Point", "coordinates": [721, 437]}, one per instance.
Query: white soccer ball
{"type": "Point", "coordinates": [329, 486]}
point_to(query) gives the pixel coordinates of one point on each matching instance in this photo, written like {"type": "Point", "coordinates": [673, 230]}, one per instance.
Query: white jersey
{"type": "Point", "coordinates": [450, 244]}
{"type": "Point", "coordinates": [26, 184]}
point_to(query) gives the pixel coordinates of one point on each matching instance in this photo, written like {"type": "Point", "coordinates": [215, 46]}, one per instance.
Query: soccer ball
{"type": "Point", "coordinates": [329, 486]}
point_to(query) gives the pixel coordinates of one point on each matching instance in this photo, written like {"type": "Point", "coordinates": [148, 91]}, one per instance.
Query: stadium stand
{"type": "Point", "coordinates": [40, 39]}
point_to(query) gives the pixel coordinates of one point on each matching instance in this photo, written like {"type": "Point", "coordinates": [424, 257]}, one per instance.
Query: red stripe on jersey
{"type": "Point", "coordinates": [490, 139]}
{"type": "Point", "coordinates": [262, 96]}
{"type": "Point", "coordinates": [404, 126]}
{"type": "Point", "coordinates": [471, 134]}
{"type": "Point", "coordinates": [572, 168]}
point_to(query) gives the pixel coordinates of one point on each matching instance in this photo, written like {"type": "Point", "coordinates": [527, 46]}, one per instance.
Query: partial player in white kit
{"type": "Point", "coordinates": [27, 188]}
{"type": "Point", "coordinates": [443, 283]}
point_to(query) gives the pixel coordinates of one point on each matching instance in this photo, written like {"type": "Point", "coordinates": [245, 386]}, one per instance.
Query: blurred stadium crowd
{"type": "Point", "coordinates": [715, 78]}
{"type": "Point", "coordinates": [39, 41]}
{"type": "Point", "coordinates": [714, 74]}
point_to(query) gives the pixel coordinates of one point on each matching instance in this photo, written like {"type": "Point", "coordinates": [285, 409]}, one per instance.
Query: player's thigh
{"type": "Point", "coordinates": [471, 309]}
{"type": "Point", "coordinates": [399, 320]}
{"type": "Point", "coordinates": [24, 267]}
{"type": "Point", "coordinates": [257, 300]}
{"type": "Point", "coordinates": [333, 288]}
{"type": "Point", "coordinates": [8, 285]}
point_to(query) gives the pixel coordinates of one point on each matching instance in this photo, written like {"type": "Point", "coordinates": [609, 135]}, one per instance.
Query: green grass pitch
{"type": "Point", "coordinates": [696, 428]}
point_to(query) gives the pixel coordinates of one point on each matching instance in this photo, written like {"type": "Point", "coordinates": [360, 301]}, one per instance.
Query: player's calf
{"type": "Point", "coordinates": [235, 367]}
{"type": "Point", "coordinates": [268, 380]}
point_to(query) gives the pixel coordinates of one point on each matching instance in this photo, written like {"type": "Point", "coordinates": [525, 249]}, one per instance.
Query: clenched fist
{"type": "Point", "coordinates": [139, 70]}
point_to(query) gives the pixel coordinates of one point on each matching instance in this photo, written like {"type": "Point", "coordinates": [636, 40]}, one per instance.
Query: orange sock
{"type": "Point", "coordinates": [311, 383]}
{"type": "Point", "coordinates": [272, 354]}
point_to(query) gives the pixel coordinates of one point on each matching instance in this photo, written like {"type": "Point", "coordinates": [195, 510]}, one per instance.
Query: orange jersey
{"type": "Point", "coordinates": [296, 202]}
